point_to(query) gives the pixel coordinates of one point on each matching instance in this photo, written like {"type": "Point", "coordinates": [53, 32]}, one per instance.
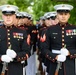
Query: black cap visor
{"type": "Point", "coordinates": [63, 11]}
{"type": "Point", "coordinates": [20, 17]}
{"type": "Point", "coordinates": [53, 17]}
{"type": "Point", "coordinates": [8, 12]}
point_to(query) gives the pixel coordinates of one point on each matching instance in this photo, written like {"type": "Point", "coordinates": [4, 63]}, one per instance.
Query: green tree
{"type": "Point", "coordinates": [40, 7]}
{"type": "Point", "coordinates": [1, 3]}
{"type": "Point", "coordinates": [22, 4]}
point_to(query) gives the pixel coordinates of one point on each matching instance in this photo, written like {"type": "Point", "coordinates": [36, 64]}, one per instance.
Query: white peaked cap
{"type": "Point", "coordinates": [8, 8]}
{"type": "Point", "coordinates": [63, 7]}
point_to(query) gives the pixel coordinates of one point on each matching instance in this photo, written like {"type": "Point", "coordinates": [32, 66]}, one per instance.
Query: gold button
{"type": "Point", "coordinates": [62, 43]}
{"type": "Point", "coordinates": [62, 28]}
{"type": "Point", "coordinates": [8, 42]}
{"type": "Point", "coordinates": [62, 40]}
{"type": "Point", "coordinates": [8, 30]}
{"type": "Point", "coordinates": [62, 31]}
{"type": "Point", "coordinates": [62, 36]}
{"type": "Point", "coordinates": [8, 33]}
{"type": "Point", "coordinates": [8, 38]}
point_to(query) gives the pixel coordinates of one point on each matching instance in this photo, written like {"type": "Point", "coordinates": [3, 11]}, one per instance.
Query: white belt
{"type": "Point", "coordinates": [56, 51]}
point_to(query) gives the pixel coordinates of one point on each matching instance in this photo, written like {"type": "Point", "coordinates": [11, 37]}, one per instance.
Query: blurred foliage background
{"type": "Point", "coordinates": [38, 7]}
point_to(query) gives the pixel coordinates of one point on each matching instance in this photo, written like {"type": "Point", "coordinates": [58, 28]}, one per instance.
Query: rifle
{"type": "Point", "coordinates": [5, 65]}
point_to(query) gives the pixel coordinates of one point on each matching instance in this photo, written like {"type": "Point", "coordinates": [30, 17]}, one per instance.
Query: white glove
{"type": "Point", "coordinates": [6, 58]}
{"type": "Point", "coordinates": [61, 58]}
{"type": "Point", "coordinates": [64, 51]}
{"type": "Point", "coordinates": [11, 53]}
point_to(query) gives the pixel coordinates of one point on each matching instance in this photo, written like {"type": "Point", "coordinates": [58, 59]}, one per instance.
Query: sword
{"type": "Point", "coordinates": [59, 64]}
{"type": "Point", "coordinates": [75, 65]}
{"type": "Point", "coordinates": [5, 65]}
{"type": "Point", "coordinates": [57, 68]}
{"type": "Point", "coordinates": [3, 69]}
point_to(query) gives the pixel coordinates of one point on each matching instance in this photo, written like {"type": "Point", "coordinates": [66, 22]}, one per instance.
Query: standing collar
{"type": "Point", "coordinates": [8, 27]}
{"type": "Point", "coordinates": [63, 25]}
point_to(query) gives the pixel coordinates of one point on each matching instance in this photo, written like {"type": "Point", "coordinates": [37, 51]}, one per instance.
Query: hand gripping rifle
{"type": "Point", "coordinates": [59, 64]}
{"type": "Point", "coordinates": [5, 65]}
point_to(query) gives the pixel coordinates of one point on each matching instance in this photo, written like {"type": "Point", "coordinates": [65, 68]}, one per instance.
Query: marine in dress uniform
{"type": "Point", "coordinates": [49, 21]}
{"type": "Point", "coordinates": [49, 17]}
{"type": "Point", "coordinates": [16, 39]}
{"type": "Point", "coordinates": [59, 45]}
